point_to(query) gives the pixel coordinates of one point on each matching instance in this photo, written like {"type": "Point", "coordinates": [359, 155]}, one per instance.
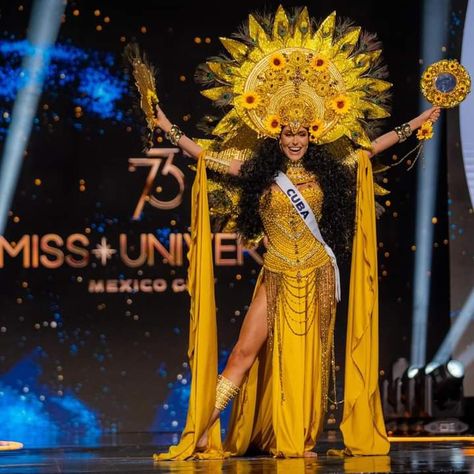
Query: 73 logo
{"type": "Point", "coordinates": [159, 161]}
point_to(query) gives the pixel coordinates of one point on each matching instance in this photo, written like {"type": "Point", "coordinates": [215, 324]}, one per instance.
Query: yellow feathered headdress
{"type": "Point", "coordinates": [285, 71]}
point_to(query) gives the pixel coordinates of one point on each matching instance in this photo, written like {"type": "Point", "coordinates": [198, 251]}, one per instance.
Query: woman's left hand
{"type": "Point", "coordinates": [431, 114]}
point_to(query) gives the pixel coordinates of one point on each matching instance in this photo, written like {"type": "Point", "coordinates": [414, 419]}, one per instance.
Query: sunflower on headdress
{"type": "Point", "coordinates": [319, 62]}
{"type": "Point", "coordinates": [273, 124]}
{"type": "Point", "coordinates": [250, 100]}
{"type": "Point", "coordinates": [340, 104]}
{"type": "Point", "coordinates": [297, 58]}
{"type": "Point", "coordinates": [322, 89]}
{"type": "Point", "coordinates": [316, 129]}
{"type": "Point", "coordinates": [324, 76]}
{"type": "Point", "coordinates": [277, 61]}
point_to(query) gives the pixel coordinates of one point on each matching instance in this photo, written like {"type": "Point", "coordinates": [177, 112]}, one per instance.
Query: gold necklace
{"type": "Point", "coordinates": [297, 173]}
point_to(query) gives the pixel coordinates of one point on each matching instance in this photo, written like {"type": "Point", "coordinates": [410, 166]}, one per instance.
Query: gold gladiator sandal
{"type": "Point", "coordinates": [225, 392]}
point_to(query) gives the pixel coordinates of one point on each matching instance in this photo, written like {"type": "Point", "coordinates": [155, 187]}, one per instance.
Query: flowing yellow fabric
{"type": "Point", "coordinates": [280, 406]}
{"type": "Point", "coordinates": [363, 426]}
{"type": "Point", "coordinates": [202, 350]}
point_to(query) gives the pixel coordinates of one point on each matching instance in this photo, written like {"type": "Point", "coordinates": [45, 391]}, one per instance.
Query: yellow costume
{"type": "Point", "coordinates": [281, 404]}
{"type": "Point", "coordinates": [291, 375]}
{"type": "Point", "coordinates": [288, 74]}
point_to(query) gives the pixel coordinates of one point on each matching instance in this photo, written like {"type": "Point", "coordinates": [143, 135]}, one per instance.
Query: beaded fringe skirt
{"type": "Point", "coordinates": [303, 302]}
{"type": "Point", "coordinates": [293, 376]}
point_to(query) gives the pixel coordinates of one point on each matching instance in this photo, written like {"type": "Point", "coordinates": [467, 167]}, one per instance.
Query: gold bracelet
{"type": "Point", "coordinates": [174, 134]}
{"type": "Point", "coordinates": [216, 164]}
{"type": "Point", "coordinates": [225, 392]}
{"type": "Point", "coordinates": [403, 131]}
{"type": "Point", "coordinates": [220, 161]}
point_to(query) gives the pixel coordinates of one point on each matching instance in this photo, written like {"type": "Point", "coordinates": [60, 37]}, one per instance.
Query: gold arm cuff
{"type": "Point", "coordinates": [220, 161]}
{"type": "Point", "coordinates": [225, 392]}
{"type": "Point", "coordinates": [174, 134]}
{"type": "Point", "coordinates": [403, 131]}
{"type": "Point", "coordinates": [216, 164]}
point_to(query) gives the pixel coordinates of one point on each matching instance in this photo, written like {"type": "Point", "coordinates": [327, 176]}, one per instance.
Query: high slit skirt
{"type": "Point", "coordinates": [281, 406]}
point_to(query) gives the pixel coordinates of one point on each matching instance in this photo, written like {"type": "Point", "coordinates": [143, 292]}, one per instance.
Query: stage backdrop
{"type": "Point", "coordinates": [94, 308]}
{"type": "Point", "coordinates": [461, 199]}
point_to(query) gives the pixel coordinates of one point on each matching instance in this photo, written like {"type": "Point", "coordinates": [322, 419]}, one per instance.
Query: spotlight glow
{"type": "Point", "coordinates": [456, 368]}
{"type": "Point", "coordinates": [463, 319]}
{"type": "Point", "coordinates": [467, 356]}
{"type": "Point", "coordinates": [41, 36]}
{"type": "Point", "coordinates": [435, 15]}
{"type": "Point", "coordinates": [430, 367]}
{"type": "Point", "coordinates": [412, 372]}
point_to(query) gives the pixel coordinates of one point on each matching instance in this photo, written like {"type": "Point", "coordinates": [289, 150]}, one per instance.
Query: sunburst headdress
{"type": "Point", "coordinates": [285, 71]}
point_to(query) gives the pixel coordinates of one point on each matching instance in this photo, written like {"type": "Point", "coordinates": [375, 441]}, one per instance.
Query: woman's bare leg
{"type": "Point", "coordinates": [253, 335]}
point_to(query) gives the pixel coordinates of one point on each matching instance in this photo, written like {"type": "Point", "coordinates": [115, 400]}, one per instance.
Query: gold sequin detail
{"type": "Point", "coordinates": [291, 245]}
{"type": "Point", "coordinates": [296, 299]}
{"type": "Point", "coordinates": [220, 161]}
{"type": "Point", "coordinates": [298, 275]}
{"type": "Point", "coordinates": [297, 173]}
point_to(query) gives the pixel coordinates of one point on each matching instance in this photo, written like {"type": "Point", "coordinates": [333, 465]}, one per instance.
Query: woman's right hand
{"type": "Point", "coordinates": [432, 114]}
{"type": "Point", "coordinates": [161, 120]}
{"type": "Point", "coordinates": [187, 145]}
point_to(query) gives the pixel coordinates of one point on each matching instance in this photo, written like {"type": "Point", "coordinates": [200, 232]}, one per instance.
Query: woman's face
{"type": "Point", "coordinates": [294, 145]}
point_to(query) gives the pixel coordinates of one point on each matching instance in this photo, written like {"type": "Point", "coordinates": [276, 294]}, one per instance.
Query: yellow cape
{"type": "Point", "coordinates": [363, 426]}
{"type": "Point", "coordinates": [202, 350]}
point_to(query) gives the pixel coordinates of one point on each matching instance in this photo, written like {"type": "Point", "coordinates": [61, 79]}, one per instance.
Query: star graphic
{"type": "Point", "coordinates": [103, 251]}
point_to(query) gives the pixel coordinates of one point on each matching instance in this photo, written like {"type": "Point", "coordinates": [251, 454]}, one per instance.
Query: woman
{"type": "Point", "coordinates": [306, 256]}
{"type": "Point", "coordinates": [307, 97]}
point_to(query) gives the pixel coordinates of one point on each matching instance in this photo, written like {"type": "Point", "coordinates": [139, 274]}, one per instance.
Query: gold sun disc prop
{"type": "Point", "coordinates": [445, 83]}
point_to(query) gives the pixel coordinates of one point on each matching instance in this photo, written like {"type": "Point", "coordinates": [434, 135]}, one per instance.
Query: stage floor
{"type": "Point", "coordinates": [132, 453]}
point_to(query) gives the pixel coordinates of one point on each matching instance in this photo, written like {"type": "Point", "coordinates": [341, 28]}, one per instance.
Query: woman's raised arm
{"type": "Point", "coordinates": [191, 148]}
{"type": "Point", "coordinates": [401, 133]}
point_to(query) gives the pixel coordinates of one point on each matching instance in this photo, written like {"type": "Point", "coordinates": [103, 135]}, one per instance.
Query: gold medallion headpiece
{"type": "Point", "coordinates": [283, 71]}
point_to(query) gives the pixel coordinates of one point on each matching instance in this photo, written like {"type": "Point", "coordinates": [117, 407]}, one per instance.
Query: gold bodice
{"type": "Point", "coordinates": [291, 245]}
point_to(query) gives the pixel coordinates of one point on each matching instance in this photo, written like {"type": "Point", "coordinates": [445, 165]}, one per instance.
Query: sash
{"type": "Point", "coordinates": [305, 212]}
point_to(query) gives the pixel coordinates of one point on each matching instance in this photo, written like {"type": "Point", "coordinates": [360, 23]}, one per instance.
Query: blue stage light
{"type": "Point", "coordinates": [100, 91]}
{"type": "Point", "coordinates": [435, 19]}
{"type": "Point", "coordinates": [455, 368]}
{"type": "Point", "coordinates": [88, 78]}
{"type": "Point", "coordinates": [412, 372]}
{"type": "Point", "coordinates": [430, 367]}
{"type": "Point", "coordinates": [463, 319]}
{"type": "Point", "coordinates": [41, 36]}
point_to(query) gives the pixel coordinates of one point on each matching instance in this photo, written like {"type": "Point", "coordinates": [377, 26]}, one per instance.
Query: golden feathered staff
{"type": "Point", "coordinates": [144, 74]}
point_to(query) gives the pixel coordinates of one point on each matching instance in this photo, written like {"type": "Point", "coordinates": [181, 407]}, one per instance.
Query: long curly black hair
{"type": "Point", "coordinates": [336, 180]}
